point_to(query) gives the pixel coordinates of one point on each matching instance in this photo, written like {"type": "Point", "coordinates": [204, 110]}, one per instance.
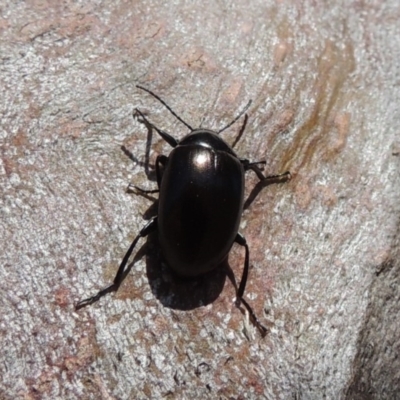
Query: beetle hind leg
{"type": "Point", "coordinates": [240, 292]}
{"type": "Point", "coordinates": [122, 270]}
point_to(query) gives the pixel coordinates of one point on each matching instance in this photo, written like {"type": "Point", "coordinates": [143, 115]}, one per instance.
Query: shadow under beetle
{"type": "Point", "coordinates": [201, 192]}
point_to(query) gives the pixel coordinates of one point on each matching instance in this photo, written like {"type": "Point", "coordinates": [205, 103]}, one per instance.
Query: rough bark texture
{"type": "Point", "coordinates": [324, 79]}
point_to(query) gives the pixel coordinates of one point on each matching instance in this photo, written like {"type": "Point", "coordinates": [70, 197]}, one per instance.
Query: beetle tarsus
{"type": "Point", "coordinates": [282, 178]}
{"type": "Point", "coordinates": [267, 180]}
{"type": "Point", "coordinates": [261, 328]}
{"type": "Point", "coordinates": [97, 297]}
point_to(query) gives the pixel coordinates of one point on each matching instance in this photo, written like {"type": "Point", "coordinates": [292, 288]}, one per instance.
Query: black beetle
{"type": "Point", "coordinates": [201, 191]}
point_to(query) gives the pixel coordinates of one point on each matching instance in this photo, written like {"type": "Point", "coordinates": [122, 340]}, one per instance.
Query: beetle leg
{"type": "Point", "coordinates": [250, 164]}
{"type": "Point", "coordinates": [166, 136]}
{"type": "Point", "coordinates": [122, 272]}
{"type": "Point", "coordinates": [240, 292]}
{"type": "Point", "coordinates": [286, 176]}
{"type": "Point", "coordinates": [161, 160]}
{"type": "Point", "coordinates": [282, 178]}
{"type": "Point", "coordinates": [131, 188]}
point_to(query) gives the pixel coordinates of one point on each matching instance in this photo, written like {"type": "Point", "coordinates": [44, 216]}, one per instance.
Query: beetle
{"type": "Point", "coordinates": [201, 193]}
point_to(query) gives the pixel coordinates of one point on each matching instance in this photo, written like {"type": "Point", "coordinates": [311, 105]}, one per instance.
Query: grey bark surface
{"type": "Point", "coordinates": [324, 248]}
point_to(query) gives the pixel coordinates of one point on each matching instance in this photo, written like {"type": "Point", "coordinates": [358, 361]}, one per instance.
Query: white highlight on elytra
{"type": "Point", "coordinates": [201, 159]}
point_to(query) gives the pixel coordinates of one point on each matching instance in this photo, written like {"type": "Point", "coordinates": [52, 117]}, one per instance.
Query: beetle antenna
{"type": "Point", "coordinates": [166, 106]}
{"type": "Point", "coordinates": [235, 119]}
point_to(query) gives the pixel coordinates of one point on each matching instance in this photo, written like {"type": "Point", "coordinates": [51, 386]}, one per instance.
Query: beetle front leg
{"type": "Point", "coordinates": [121, 274]}
{"type": "Point", "coordinates": [161, 160]}
{"type": "Point", "coordinates": [240, 292]}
